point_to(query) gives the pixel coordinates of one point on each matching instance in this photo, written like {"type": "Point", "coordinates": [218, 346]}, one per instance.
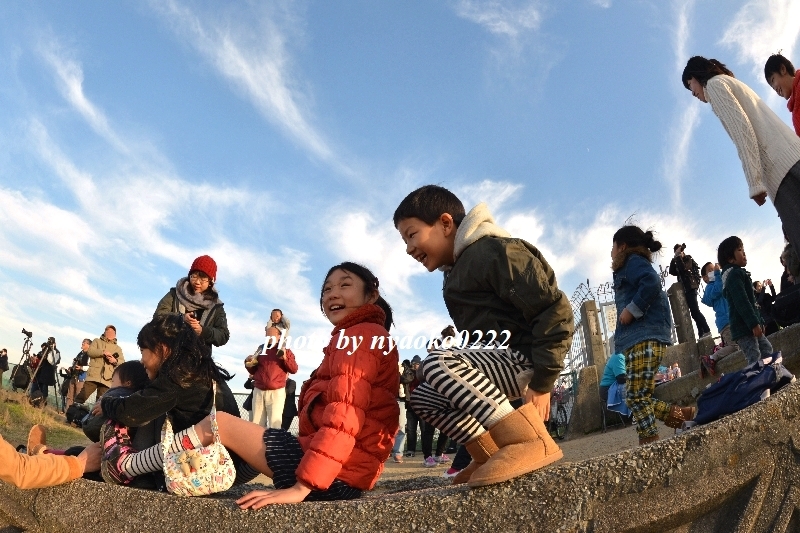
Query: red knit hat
{"type": "Point", "coordinates": [206, 265]}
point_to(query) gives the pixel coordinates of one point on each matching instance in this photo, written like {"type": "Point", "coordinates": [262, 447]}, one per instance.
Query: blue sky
{"type": "Point", "coordinates": [278, 137]}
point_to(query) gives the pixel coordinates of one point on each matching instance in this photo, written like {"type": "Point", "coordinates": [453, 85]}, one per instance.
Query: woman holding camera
{"type": "Point", "coordinates": [197, 300]}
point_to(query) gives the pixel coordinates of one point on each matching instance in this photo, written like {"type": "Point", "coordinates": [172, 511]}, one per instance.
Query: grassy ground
{"type": "Point", "coordinates": [17, 417]}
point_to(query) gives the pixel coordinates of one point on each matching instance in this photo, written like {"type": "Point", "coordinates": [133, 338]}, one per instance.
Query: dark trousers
{"type": "Point", "coordinates": [427, 441]}
{"type": "Point", "coordinates": [44, 389]}
{"type": "Point", "coordinates": [694, 310]}
{"type": "Point", "coordinates": [412, 421]}
{"type": "Point", "coordinates": [462, 458]}
{"type": "Point", "coordinates": [88, 388]}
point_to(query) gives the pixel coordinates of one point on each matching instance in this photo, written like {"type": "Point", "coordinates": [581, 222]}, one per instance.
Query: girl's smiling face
{"type": "Point", "coordinates": [152, 360]}
{"type": "Point", "coordinates": [343, 293]}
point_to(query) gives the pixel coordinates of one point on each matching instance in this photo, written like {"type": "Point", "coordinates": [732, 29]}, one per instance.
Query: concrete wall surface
{"type": "Point", "coordinates": [741, 473]}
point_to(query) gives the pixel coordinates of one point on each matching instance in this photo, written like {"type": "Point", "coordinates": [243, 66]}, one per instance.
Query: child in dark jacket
{"type": "Point", "coordinates": [644, 329]}
{"type": "Point", "coordinates": [127, 378]}
{"type": "Point", "coordinates": [747, 326]}
{"type": "Point", "coordinates": [502, 292]}
{"type": "Point", "coordinates": [181, 371]}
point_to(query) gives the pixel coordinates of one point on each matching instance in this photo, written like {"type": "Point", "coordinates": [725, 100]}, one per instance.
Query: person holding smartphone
{"type": "Point", "coordinates": [195, 298]}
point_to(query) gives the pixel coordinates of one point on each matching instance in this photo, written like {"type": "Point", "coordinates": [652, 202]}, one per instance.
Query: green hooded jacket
{"type": "Point", "coordinates": [501, 283]}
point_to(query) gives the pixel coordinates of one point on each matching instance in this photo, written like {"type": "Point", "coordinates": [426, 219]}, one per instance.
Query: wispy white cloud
{"type": "Point", "coordinates": [252, 54]}
{"type": "Point", "coordinates": [507, 19]}
{"type": "Point", "coordinates": [69, 77]}
{"type": "Point", "coordinates": [605, 4]}
{"type": "Point", "coordinates": [687, 114]}
{"type": "Point", "coordinates": [761, 28]}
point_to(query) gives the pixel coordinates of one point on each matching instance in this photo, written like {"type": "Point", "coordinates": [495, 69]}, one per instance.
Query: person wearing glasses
{"type": "Point", "coordinates": [196, 299]}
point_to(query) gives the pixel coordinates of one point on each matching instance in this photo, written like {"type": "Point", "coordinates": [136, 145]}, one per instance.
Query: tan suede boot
{"type": "Point", "coordinates": [480, 448]}
{"type": "Point", "coordinates": [525, 446]}
{"type": "Point", "coordinates": [37, 440]}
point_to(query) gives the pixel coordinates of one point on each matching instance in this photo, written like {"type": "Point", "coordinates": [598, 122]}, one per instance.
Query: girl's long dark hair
{"type": "Point", "coordinates": [370, 284]}
{"type": "Point", "coordinates": [702, 70]}
{"type": "Point", "coordinates": [634, 237]}
{"type": "Point", "coordinates": [189, 358]}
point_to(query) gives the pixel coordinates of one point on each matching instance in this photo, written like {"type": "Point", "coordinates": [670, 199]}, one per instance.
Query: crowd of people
{"type": "Point", "coordinates": [360, 406]}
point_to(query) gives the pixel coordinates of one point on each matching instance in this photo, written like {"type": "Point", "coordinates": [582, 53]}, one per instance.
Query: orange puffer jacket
{"type": "Point", "coordinates": [348, 407]}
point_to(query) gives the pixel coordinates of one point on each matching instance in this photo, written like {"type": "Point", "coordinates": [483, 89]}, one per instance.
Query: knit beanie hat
{"type": "Point", "coordinates": [206, 265]}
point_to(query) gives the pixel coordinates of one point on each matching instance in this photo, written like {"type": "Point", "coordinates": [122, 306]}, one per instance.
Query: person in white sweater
{"type": "Point", "coordinates": [768, 148]}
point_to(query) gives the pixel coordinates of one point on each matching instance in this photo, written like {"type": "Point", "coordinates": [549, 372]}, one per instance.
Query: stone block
{"type": "Point", "coordinates": [586, 416]}
{"type": "Point", "coordinates": [680, 313]}
{"type": "Point", "coordinates": [684, 354]}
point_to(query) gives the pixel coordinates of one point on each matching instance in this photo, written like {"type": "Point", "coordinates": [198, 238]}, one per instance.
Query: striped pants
{"type": "Point", "coordinates": [468, 391]}
{"type": "Point", "coordinates": [641, 364]}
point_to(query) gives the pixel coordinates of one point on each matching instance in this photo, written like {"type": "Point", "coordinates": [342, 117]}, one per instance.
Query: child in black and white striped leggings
{"type": "Point", "coordinates": [516, 328]}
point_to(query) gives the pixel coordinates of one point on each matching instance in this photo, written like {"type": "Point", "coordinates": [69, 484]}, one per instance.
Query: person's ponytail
{"type": "Point", "coordinates": [652, 244]}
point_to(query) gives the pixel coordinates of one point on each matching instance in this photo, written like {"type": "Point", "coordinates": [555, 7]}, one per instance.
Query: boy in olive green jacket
{"type": "Point", "coordinates": [516, 330]}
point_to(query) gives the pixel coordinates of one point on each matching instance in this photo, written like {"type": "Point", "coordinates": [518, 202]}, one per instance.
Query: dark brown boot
{"type": "Point", "coordinates": [678, 415]}
{"type": "Point", "coordinates": [648, 440]}
{"type": "Point", "coordinates": [525, 446]}
{"type": "Point", "coordinates": [480, 449]}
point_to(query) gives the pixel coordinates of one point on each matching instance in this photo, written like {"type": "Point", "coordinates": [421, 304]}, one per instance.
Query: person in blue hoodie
{"type": "Point", "coordinates": [713, 297]}
{"type": "Point", "coordinates": [644, 329]}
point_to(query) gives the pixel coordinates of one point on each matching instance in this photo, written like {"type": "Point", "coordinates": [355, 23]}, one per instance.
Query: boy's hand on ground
{"type": "Point", "coordinates": [541, 400]}
{"type": "Point", "coordinates": [626, 317]}
{"type": "Point", "coordinates": [760, 199]}
{"type": "Point", "coordinates": [90, 457]}
{"type": "Point", "coordinates": [261, 498]}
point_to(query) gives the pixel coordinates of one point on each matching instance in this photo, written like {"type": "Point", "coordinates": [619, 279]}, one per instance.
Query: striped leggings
{"type": "Point", "coordinates": [641, 364]}
{"type": "Point", "coordinates": [467, 391]}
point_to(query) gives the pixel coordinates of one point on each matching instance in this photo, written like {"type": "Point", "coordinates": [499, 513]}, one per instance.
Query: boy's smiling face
{"type": "Point", "coordinates": [430, 245]}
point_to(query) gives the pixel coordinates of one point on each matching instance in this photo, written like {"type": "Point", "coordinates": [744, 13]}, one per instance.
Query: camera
{"type": "Point", "coordinates": [27, 333]}
{"type": "Point", "coordinates": [682, 247]}
{"type": "Point", "coordinates": [51, 342]}
{"type": "Point", "coordinates": [194, 314]}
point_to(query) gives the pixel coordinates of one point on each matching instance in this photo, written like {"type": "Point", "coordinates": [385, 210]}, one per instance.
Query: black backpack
{"type": "Point", "coordinates": [786, 307]}
{"type": "Point", "coordinates": [21, 377]}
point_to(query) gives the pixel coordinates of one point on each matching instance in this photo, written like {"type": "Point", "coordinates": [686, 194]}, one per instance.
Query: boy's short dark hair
{"type": "Point", "coordinates": [705, 268]}
{"type": "Point", "coordinates": [727, 248]}
{"type": "Point", "coordinates": [774, 63]}
{"type": "Point", "coordinates": [428, 203]}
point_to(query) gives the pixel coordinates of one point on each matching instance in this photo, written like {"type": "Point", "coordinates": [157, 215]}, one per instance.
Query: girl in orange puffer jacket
{"type": "Point", "coordinates": [348, 407]}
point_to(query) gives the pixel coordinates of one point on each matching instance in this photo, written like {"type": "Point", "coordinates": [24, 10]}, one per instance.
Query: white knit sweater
{"type": "Point", "coordinates": [767, 147]}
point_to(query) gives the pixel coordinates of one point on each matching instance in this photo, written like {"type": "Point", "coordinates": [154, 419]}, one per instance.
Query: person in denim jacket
{"type": "Point", "coordinates": [643, 330]}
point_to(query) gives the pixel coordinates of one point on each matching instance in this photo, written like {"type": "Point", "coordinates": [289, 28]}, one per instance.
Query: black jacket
{"type": "Point", "coordinates": [764, 300]}
{"type": "Point", "coordinates": [687, 272]}
{"type": "Point", "coordinates": [185, 407]}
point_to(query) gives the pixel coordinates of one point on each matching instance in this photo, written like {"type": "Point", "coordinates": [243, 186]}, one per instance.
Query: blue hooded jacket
{"type": "Point", "coordinates": [714, 298]}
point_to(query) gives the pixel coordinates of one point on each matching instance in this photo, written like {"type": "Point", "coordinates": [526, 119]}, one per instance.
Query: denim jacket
{"type": "Point", "coordinates": [637, 288]}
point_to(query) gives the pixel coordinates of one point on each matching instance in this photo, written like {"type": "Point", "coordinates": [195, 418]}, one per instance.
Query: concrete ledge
{"type": "Point", "coordinates": [740, 473]}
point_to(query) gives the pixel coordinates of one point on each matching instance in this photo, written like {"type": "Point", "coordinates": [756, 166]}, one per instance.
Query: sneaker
{"type": "Point", "coordinates": [450, 473]}
{"type": "Point", "coordinates": [442, 459]}
{"type": "Point", "coordinates": [409, 454]}
{"type": "Point", "coordinates": [429, 462]}
{"type": "Point", "coordinates": [398, 458]}
{"type": "Point", "coordinates": [706, 334]}
{"type": "Point", "coordinates": [116, 447]}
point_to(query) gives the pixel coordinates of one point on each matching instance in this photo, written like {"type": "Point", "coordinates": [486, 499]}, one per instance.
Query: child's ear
{"type": "Point", "coordinates": [448, 224]}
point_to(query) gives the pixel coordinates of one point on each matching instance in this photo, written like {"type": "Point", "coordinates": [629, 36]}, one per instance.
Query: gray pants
{"type": "Point", "coordinates": [787, 204]}
{"type": "Point", "coordinates": [755, 348]}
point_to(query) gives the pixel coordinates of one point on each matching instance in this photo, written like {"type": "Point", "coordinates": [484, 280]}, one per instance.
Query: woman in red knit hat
{"type": "Point", "coordinates": [195, 297]}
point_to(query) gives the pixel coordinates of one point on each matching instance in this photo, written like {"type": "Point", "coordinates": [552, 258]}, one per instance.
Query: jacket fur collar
{"type": "Point", "coordinates": [477, 224]}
